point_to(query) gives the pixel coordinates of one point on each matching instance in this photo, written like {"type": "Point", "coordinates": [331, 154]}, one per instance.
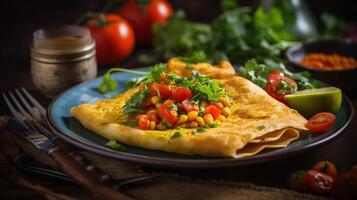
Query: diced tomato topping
{"type": "Point", "coordinates": [321, 122]}
{"type": "Point", "coordinates": [164, 90]}
{"type": "Point", "coordinates": [188, 106]}
{"type": "Point", "coordinates": [154, 116]}
{"type": "Point", "coordinates": [279, 85]}
{"type": "Point", "coordinates": [181, 93]}
{"type": "Point", "coordinates": [170, 116]}
{"type": "Point", "coordinates": [213, 110]}
{"type": "Point", "coordinates": [144, 122]}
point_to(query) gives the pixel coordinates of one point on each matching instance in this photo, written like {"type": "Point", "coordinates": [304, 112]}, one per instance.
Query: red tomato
{"type": "Point", "coordinates": [213, 110]}
{"type": "Point", "coordinates": [164, 78]}
{"type": "Point", "coordinates": [276, 83]}
{"type": "Point", "coordinates": [319, 182]}
{"type": "Point", "coordinates": [321, 122]}
{"type": "Point", "coordinates": [326, 167]}
{"type": "Point", "coordinates": [297, 181]}
{"type": "Point", "coordinates": [188, 106]}
{"type": "Point", "coordinates": [164, 90]}
{"type": "Point", "coordinates": [170, 116]}
{"type": "Point", "coordinates": [154, 116]}
{"type": "Point", "coordinates": [345, 185]}
{"type": "Point", "coordinates": [114, 38]}
{"type": "Point", "coordinates": [143, 18]}
{"type": "Point", "coordinates": [144, 122]}
{"type": "Point", "coordinates": [180, 93]}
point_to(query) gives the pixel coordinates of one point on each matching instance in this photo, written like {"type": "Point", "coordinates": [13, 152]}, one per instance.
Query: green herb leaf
{"type": "Point", "coordinates": [176, 135]}
{"type": "Point", "coordinates": [200, 130]}
{"type": "Point", "coordinates": [132, 106]}
{"type": "Point", "coordinates": [130, 123]}
{"type": "Point", "coordinates": [214, 125]}
{"type": "Point", "coordinates": [115, 145]}
{"type": "Point", "coordinates": [107, 84]}
{"type": "Point", "coordinates": [260, 127]}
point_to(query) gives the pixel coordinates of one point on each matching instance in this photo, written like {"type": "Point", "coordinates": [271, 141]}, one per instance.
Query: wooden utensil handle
{"type": "Point", "coordinates": [84, 178]}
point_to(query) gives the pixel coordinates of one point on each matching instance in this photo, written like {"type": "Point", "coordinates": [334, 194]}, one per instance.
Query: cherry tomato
{"type": "Point", "coordinates": [326, 167]}
{"type": "Point", "coordinates": [321, 122]}
{"type": "Point", "coordinates": [181, 93]}
{"type": "Point", "coordinates": [170, 116]}
{"type": "Point", "coordinates": [345, 185]}
{"type": "Point", "coordinates": [154, 116]}
{"type": "Point", "coordinates": [213, 110]}
{"type": "Point", "coordinates": [297, 181]}
{"type": "Point", "coordinates": [144, 122]}
{"type": "Point", "coordinates": [188, 106]}
{"type": "Point", "coordinates": [164, 90]}
{"type": "Point", "coordinates": [279, 85]}
{"type": "Point", "coordinates": [114, 38]}
{"type": "Point", "coordinates": [319, 182]}
{"type": "Point", "coordinates": [142, 18]}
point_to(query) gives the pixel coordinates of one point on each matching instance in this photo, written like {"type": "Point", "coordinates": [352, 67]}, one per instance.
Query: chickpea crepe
{"type": "Point", "coordinates": [194, 109]}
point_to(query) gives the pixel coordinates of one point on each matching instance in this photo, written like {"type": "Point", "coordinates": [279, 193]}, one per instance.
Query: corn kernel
{"type": "Point", "coordinates": [200, 121]}
{"type": "Point", "coordinates": [221, 118]}
{"type": "Point", "coordinates": [226, 111]}
{"type": "Point", "coordinates": [151, 111]}
{"type": "Point", "coordinates": [158, 105]}
{"type": "Point", "coordinates": [168, 101]}
{"type": "Point", "coordinates": [193, 124]}
{"type": "Point", "coordinates": [160, 126]}
{"type": "Point", "coordinates": [152, 125]}
{"type": "Point", "coordinates": [154, 100]}
{"type": "Point", "coordinates": [208, 119]}
{"type": "Point", "coordinates": [192, 115]}
{"type": "Point", "coordinates": [182, 119]}
{"type": "Point", "coordinates": [174, 113]}
{"type": "Point", "coordinates": [224, 101]}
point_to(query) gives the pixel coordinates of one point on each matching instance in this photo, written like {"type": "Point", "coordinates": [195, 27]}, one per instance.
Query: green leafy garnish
{"type": "Point", "coordinates": [172, 107]}
{"type": "Point", "coordinates": [107, 84]}
{"type": "Point", "coordinates": [176, 135]}
{"type": "Point", "coordinates": [260, 127]}
{"type": "Point", "coordinates": [115, 145]}
{"type": "Point", "coordinates": [132, 106]}
{"type": "Point", "coordinates": [258, 74]}
{"type": "Point", "coordinates": [200, 130]}
{"type": "Point", "coordinates": [130, 123]}
{"type": "Point", "coordinates": [214, 125]}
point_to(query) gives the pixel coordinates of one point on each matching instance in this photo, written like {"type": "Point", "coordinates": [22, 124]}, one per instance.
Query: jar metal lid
{"type": "Point", "coordinates": [62, 44]}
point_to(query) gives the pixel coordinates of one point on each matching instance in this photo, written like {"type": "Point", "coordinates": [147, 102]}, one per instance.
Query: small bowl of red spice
{"type": "Point", "coordinates": [331, 61]}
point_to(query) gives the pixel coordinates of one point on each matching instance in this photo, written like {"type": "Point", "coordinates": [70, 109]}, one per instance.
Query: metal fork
{"type": "Point", "coordinates": [38, 112]}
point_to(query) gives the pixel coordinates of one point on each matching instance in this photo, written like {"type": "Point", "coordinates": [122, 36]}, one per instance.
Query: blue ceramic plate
{"type": "Point", "coordinates": [73, 132]}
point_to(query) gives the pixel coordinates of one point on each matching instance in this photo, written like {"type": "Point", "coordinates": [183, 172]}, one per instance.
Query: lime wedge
{"type": "Point", "coordinates": [312, 101]}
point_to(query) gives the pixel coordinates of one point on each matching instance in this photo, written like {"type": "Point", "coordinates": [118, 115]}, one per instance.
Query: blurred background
{"type": "Point", "coordinates": [20, 18]}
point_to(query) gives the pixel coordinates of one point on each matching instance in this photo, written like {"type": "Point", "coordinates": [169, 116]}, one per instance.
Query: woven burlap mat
{"type": "Point", "coordinates": [174, 186]}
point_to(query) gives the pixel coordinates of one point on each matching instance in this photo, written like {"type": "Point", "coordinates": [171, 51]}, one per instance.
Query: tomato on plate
{"type": "Point", "coordinates": [114, 38]}
{"type": "Point", "coordinates": [170, 116]}
{"type": "Point", "coordinates": [144, 122]}
{"type": "Point", "coordinates": [321, 122]}
{"type": "Point", "coordinates": [279, 85]}
{"type": "Point", "coordinates": [181, 93]}
{"type": "Point", "coordinates": [213, 110]}
{"type": "Point", "coordinates": [326, 167]}
{"type": "Point", "coordinates": [163, 90]}
{"type": "Point", "coordinates": [188, 106]}
{"type": "Point", "coordinates": [319, 182]}
{"type": "Point", "coordinates": [143, 17]}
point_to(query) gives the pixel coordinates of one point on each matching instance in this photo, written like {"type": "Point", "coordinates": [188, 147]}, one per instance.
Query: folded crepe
{"type": "Point", "coordinates": [257, 121]}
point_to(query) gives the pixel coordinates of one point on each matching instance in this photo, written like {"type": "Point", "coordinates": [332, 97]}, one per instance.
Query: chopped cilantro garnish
{"type": "Point", "coordinates": [130, 123]}
{"type": "Point", "coordinates": [214, 125]}
{"type": "Point", "coordinates": [155, 72]}
{"type": "Point", "coordinates": [132, 106]}
{"type": "Point", "coordinates": [115, 145]}
{"type": "Point", "coordinates": [260, 127]}
{"type": "Point", "coordinates": [176, 135]}
{"type": "Point", "coordinates": [200, 130]}
{"type": "Point", "coordinates": [172, 107]}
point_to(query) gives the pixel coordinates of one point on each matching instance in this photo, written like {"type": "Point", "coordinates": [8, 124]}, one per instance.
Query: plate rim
{"type": "Point", "coordinates": [208, 163]}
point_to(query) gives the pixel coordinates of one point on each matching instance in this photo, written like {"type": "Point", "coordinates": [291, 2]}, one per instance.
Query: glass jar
{"type": "Point", "coordinates": [62, 57]}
